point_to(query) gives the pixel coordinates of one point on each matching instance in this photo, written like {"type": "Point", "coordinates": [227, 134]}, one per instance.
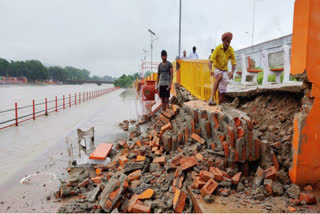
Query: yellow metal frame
{"type": "Point", "coordinates": [195, 76]}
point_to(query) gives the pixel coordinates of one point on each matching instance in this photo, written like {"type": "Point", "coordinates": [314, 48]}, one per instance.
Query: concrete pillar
{"type": "Point", "coordinates": [306, 138]}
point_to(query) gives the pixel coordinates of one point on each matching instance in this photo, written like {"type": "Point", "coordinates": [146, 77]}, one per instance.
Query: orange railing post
{"type": "Point", "coordinates": [56, 103]}
{"type": "Point", "coordinates": [46, 106]}
{"type": "Point", "coordinates": [33, 110]}
{"type": "Point", "coordinates": [16, 110]}
{"type": "Point", "coordinates": [64, 102]}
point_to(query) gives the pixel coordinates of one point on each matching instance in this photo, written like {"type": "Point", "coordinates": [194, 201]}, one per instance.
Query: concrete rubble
{"type": "Point", "coordinates": [194, 151]}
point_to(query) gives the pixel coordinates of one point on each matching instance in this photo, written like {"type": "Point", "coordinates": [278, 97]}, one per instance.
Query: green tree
{"type": "Point", "coordinates": [4, 64]}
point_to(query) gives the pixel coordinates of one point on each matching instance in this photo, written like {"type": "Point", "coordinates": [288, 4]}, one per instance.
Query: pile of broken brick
{"type": "Point", "coordinates": [187, 153]}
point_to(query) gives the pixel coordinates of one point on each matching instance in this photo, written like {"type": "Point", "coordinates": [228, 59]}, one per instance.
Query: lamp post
{"type": "Point", "coordinates": [254, 10]}
{"type": "Point", "coordinates": [151, 46]}
{"type": "Point", "coordinates": [179, 54]}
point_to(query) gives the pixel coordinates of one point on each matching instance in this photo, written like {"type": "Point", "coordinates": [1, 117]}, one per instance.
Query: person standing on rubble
{"type": "Point", "coordinates": [220, 58]}
{"type": "Point", "coordinates": [164, 80]}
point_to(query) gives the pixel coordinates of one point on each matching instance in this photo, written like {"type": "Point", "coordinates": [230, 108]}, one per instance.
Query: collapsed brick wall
{"type": "Point", "coordinates": [228, 132]}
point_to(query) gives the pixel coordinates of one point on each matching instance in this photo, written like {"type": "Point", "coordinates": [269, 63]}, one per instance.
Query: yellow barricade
{"type": "Point", "coordinates": [195, 76]}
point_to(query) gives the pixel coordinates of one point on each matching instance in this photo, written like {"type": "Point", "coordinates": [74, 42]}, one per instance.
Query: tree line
{"type": "Point", "coordinates": [34, 70]}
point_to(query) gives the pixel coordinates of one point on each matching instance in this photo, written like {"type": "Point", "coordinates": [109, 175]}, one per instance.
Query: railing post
{"type": "Point", "coordinates": [16, 110]}
{"type": "Point", "coordinates": [56, 103]}
{"type": "Point", "coordinates": [75, 98]}
{"type": "Point", "coordinates": [79, 97]}
{"type": "Point", "coordinates": [84, 96]}
{"type": "Point", "coordinates": [87, 96]}
{"type": "Point", "coordinates": [46, 106]}
{"type": "Point", "coordinates": [64, 102]}
{"type": "Point", "coordinates": [33, 110]}
{"type": "Point", "coordinates": [69, 100]}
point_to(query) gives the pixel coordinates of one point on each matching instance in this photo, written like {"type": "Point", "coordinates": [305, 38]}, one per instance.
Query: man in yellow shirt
{"type": "Point", "coordinates": [220, 58]}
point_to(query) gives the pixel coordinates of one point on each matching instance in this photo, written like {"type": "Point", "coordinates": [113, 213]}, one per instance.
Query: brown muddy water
{"type": "Point", "coordinates": [34, 154]}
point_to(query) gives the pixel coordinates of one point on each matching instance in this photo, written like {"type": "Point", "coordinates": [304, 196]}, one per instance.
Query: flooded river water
{"type": "Point", "coordinates": [39, 146]}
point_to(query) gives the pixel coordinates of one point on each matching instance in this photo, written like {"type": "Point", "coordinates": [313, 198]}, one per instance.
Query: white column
{"type": "Point", "coordinates": [244, 69]}
{"type": "Point", "coordinates": [286, 62]}
{"type": "Point", "coordinates": [265, 66]}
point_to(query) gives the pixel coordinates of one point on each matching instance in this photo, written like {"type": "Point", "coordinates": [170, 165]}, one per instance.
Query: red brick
{"type": "Point", "coordinates": [199, 157]}
{"type": "Point", "coordinates": [276, 145]}
{"type": "Point", "coordinates": [101, 152]}
{"type": "Point", "coordinates": [134, 175]}
{"type": "Point", "coordinates": [225, 174]}
{"type": "Point", "coordinates": [179, 201]}
{"type": "Point", "coordinates": [217, 174]}
{"type": "Point", "coordinates": [164, 119]}
{"type": "Point", "coordinates": [133, 200]}
{"type": "Point", "coordinates": [221, 138]}
{"type": "Point", "coordinates": [208, 188]}
{"type": "Point", "coordinates": [225, 148]}
{"type": "Point", "coordinates": [236, 155]}
{"type": "Point", "coordinates": [192, 127]}
{"type": "Point", "coordinates": [215, 120]}
{"type": "Point", "coordinates": [231, 136]}
{"type": "Point", "coordinates": [213, 146]}
{"type": "Point", "coordinates": [275, 161]}
{"type": "Point", "coordinates": [180, 182]}
{"type": "Point", "coordinates": [195, 117]}
{"type": "Point", "coordinates": [240, 133]}
{"type": "Point", "coordinates": [141, 158]}
{"type": "Point", "coordinates": [236, 178]}
{"type": "Point", "coordinates": [249, 125]}
{"type": "Point", "coordinates": [294, 201]}
{"type": "Point", "coordinates": [166, 127]}
{"type": "Point", "coordinates": [108, 204]}
{"type": "Point", "coordinates": [186, 134]}
{"type": "Point", "coordinates": [113, 194]}
{"type": "Point", "coordinates": [122, 160]}
{"type": "Point", "coordinates": [138, 208]}
{"type": "Point", "coordinates": [197, 138]}
{"type": "Point", "coordinates": [268, 186]}
{"type": "Point", "coordinates": [84, 183]}
{"type": "Point", "coordinates": [187, 163]}
{"type": "Point", "coordinates": [291, 209]}
{"type": "Point", "coordinates": [96, 179]}
{"type": "Point", "coordinates": [257, 145]}
{"type": "Point", "coordinates": [208, 129]}
{"type": "Point", "coordinates": [205, 175]}
{"type": "Point", "coordinates": [237, 121]}
{"type": "Point", "coordinates": [271, 173]}
{"type": "Point", "coordinates": [307, 197]}
{"type": "Point", "coordinates": [170, 143]}
{"type": "Point", "coordinates": [123, 144]}
{"type": "Point", "coordinates": [161, 160]}
{"type": "Point", "coordinates": [198, 131]}
{"type": "Point", "coordinates": [180, 136]}
{"type": "Point", "coordinates": [308, 188]}
{"type": "Point", "coordinates": [198, 183]}
{"type": "Point", "coordinates": [178, 172]}
{"type": "Point", "coordinates": [147, 194]}
{"type": "Point", "coordinates": [176, 160]}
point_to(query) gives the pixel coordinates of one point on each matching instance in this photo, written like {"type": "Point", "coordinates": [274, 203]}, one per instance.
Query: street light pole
{"type": "Point", "coordinates": [152, 34]}
{"type": "Point", "coordinates": [254, 10]}
{"type": "Point", "coordinates": [179, 54]}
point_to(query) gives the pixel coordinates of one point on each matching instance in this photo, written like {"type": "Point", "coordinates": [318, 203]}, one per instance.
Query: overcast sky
{"type": "Point", "coordinates": [106, 37]}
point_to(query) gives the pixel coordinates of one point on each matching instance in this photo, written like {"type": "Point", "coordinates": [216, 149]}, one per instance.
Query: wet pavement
{"type": "Point", "coordinates": [34, 155]}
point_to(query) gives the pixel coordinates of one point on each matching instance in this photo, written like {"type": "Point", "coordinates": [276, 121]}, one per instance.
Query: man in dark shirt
{"type": "Point", "coordinates": [164, 80]}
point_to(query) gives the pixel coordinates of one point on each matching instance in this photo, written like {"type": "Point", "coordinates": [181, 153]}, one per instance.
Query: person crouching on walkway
{"type": "Point", "coordinates": [164, 80]}
{"type": "Point", "coordinates": [220, 58]}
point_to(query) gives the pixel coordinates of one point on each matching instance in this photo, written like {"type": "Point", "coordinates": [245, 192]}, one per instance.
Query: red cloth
{"type": "Point", "coordinates": [227, 35]}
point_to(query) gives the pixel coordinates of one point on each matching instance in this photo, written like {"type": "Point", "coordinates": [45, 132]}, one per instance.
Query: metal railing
{"type": "Point", "coordinates": [56, 104]}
